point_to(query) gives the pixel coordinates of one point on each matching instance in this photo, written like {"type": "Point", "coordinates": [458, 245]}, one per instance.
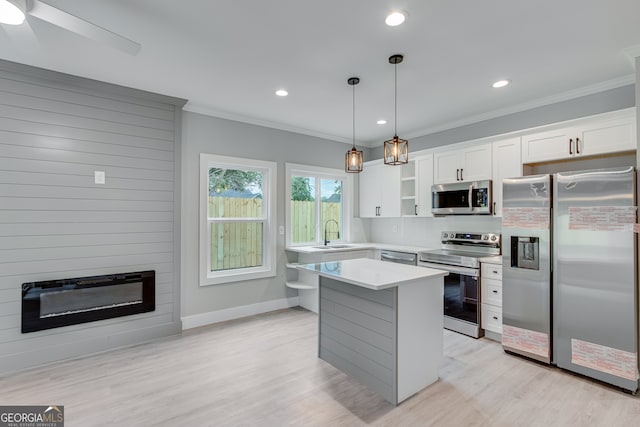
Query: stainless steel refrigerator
{"type": "Point", "coordinates": [526, 266]}
{"type": "Point", "coordinates": [570, 289]}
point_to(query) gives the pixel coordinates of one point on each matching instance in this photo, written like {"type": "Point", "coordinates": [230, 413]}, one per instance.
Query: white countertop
{"type": "Point", "coordinates": [497, 259]}
{"type": "Point", "coordinates": [371, 273]}
{"type": "Point", "coordinates": [356, 247]}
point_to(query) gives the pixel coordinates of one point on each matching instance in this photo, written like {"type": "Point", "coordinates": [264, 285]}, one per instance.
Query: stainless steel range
{"type": "Point", "coordinates": [460, 256]}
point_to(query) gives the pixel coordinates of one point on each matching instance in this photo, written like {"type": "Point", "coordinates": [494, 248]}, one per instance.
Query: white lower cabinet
{"type": "Point", "coordinates": [491, 285]}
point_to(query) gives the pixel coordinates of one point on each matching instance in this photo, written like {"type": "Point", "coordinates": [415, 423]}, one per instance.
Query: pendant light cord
{"type": "Point", "coordinates": [395, 100]}
{"type": "Point", "coordinates": [354, 116]}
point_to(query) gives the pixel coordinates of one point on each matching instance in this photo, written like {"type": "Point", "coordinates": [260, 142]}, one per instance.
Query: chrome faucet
{"type": "Point", "coordinates": [326, 241]}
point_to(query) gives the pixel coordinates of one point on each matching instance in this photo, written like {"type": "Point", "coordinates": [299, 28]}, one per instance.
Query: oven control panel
{"type": "Point", "coordinates": [480, 239]}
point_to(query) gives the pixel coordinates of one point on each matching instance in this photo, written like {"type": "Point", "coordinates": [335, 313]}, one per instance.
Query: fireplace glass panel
{"type": "Point", "coordinates": [98, 298]}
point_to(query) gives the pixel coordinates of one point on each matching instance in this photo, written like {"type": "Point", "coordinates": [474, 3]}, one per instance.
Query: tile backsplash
{"type": "Point", "coordinates": [426, 231]}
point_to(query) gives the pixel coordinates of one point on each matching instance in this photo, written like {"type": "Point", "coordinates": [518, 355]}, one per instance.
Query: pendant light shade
{"type": "Point", "coordinates": [396, 150]}
{"type": "Point", "coordinates": [353, 158]}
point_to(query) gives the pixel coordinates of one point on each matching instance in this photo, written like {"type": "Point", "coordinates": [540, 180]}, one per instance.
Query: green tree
{"type": "Point", "coordinates": [301, 189]}
{"type": "Point", "coordinates": [232, 179]}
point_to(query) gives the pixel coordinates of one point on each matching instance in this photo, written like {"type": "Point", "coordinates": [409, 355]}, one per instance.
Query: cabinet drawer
{"type": "Point", "coordinates": [492, 292]}
{"type": "Point", "coordinates": [491, 271]}
{"type": "Point", "coordinates": [492, 318]}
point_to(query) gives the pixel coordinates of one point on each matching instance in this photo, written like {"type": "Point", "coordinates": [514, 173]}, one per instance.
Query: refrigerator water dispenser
{"type": "Point", "coordinates": [525, 252]}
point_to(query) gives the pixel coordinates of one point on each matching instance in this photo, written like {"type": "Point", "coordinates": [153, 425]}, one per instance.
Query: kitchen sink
{"type": "Point", "coordinates": [333, 247]}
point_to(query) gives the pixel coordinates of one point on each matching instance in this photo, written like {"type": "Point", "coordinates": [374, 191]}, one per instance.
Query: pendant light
{"type": "Point", "coordinates": [396, 150]}
{"type": "Point", "coordinates": [353, 158]}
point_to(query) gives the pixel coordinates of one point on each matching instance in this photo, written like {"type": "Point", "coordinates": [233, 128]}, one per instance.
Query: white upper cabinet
{"type": "Point", "coordinates": [379, 191]}
{"type": "Point", "coordinates": [506, 164]}
{"type": "Point", "coordinates": [472, 163]}
{"type": "Point", "coordinates": [589, 137]}
{"type": "Point", "coordinates": [424, 169]}
{"type": "Point", "coordinates": [608, 136]}
{"type": "Point", "coordinates": [369, 191]}
{"type": "Point", "coordinates": [549, 145]}
{"type": "Point", "coordinates": [417, 179]}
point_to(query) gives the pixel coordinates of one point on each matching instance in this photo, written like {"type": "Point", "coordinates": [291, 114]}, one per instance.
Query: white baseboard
{"type": "Point", "coordinates": [203, 319]}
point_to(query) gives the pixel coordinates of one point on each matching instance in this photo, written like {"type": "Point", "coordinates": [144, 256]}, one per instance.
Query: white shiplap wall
{"type": "Point", "coordinates": [55, 131]}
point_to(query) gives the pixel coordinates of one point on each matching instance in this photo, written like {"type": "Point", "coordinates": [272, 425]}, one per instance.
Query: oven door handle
{"type": "Point", "coordinates": [408, 259]}
{"type": "Point", "coordinates": [473, 272]}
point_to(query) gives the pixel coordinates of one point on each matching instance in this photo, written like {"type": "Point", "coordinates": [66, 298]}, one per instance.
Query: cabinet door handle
{"type": "Point", "coordinates": [457, 174]}
{"type": "Point", "coordinates": [494, 208]}
{"type": "Point", "coordinates": [415, 209]}
{"type": "Point", "coordinates": [577, 145]}
{"type": "Point", "coordinates": [495, 271]}
{"type": "Point", "coordinates": [461, 178]}
{"type": "Point", "coordinates": [571, 146]}
{"type": "Point", "coordinates": [494, 291]}
{"type": "Point", "coordinates": [495, 318]}
{"type": "Point", "coordinates": [377, 210]}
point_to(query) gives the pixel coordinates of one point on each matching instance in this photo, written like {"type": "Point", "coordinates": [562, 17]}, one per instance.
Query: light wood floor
{"type": "Point", "coordinates": [263, 371]}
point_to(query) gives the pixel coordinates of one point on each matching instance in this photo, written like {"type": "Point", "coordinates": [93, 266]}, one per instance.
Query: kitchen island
{"type": "Point", "coordinates": [381, 323]}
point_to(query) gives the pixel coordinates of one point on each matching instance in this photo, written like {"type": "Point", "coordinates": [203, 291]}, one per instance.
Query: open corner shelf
{"type": "Point", "coordinates": [299, 285]}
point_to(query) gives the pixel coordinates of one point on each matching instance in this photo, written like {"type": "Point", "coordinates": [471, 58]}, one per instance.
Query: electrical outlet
{"type": "Point", "coordinates": [395, 228]}
{"type": "Point", "coordinates": [99, 177]}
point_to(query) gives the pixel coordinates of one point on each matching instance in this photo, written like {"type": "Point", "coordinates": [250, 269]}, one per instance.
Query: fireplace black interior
{"type": "Point", "coordinates": [56, 303]}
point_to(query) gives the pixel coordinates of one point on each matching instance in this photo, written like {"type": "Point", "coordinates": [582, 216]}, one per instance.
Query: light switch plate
{"type": "Point", "coordinates": [282, 230]}
{"type": "Point", "coordinates": [99, 177]}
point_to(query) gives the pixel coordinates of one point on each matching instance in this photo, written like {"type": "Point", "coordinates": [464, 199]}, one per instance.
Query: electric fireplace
{"type": "Point", "coordinates": [55, 303]}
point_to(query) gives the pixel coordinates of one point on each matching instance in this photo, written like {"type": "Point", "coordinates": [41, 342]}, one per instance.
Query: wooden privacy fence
{"type": "Point", "coordinates": [303, 220]}
{"type": "Point", "coordinates": [239, 244]}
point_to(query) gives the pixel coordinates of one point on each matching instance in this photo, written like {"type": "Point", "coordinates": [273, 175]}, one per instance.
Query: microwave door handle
{"type": "Point", "coordinates": [470, 194]}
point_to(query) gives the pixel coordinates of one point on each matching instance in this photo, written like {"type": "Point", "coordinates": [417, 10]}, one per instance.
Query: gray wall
{"type": "Point", "coordinates": [205, 134]}
{"type": "Point", "coordinates": [55, 223]}
{"type": "Point", "coordinates": [602, 102]}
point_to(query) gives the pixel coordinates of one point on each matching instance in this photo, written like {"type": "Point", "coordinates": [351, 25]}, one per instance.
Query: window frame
{"type": "Point", "coordinates": [293, 169]}
{"type": "Point", "coordinates": [269, 235]}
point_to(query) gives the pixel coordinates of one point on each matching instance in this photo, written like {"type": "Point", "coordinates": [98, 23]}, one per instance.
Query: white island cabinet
{"type": "Point", "coordinates": [381, 323]}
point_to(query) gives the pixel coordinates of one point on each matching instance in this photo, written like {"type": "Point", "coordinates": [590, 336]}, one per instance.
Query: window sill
{"type": "Point", "coordinates": [236, 277]}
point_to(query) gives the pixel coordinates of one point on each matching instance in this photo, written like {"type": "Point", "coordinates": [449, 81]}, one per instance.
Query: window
{"type": "Point", "coordinates": [237, 219]}
{"type": "Point", "coordinates": [316, 205]}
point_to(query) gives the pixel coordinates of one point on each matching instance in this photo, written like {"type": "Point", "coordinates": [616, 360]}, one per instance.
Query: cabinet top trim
{"type": "Point", "coordinates": [610, 115]}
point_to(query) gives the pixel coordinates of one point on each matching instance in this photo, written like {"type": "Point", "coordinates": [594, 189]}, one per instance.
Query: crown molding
{"type": "Point", "coordinates": [541, 102]}
{"type": "Point", "coordinates": [208, 111]}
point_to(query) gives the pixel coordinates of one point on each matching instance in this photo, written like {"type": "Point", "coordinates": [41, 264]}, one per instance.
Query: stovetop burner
{"type": "Point", "coordinates": [463, 249]}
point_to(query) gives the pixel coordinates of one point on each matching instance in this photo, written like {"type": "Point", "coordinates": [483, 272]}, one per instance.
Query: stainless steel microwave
{"type": "Point", "coordinates": [462, 198]}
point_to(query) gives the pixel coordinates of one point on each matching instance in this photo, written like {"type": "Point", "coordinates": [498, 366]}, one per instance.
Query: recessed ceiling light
{"type": "Point", "coordinates": [500, 83]}
{"type": "Point", "coordinates": [381, 122]}
{"type": "Point", "coordinates": [396, 18]}
{"type": "Point", "coordinates": [10, 14]}
{"type": "Point", "coordinates": [282, 92]}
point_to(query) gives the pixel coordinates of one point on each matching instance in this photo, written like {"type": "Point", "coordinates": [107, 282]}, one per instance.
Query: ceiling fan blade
{"type": "Point", "coordinates": [77, 25]}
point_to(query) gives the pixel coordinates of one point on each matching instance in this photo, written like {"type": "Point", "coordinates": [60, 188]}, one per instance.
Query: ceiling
{"type": "Point", "coordinates": [227, 57]}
